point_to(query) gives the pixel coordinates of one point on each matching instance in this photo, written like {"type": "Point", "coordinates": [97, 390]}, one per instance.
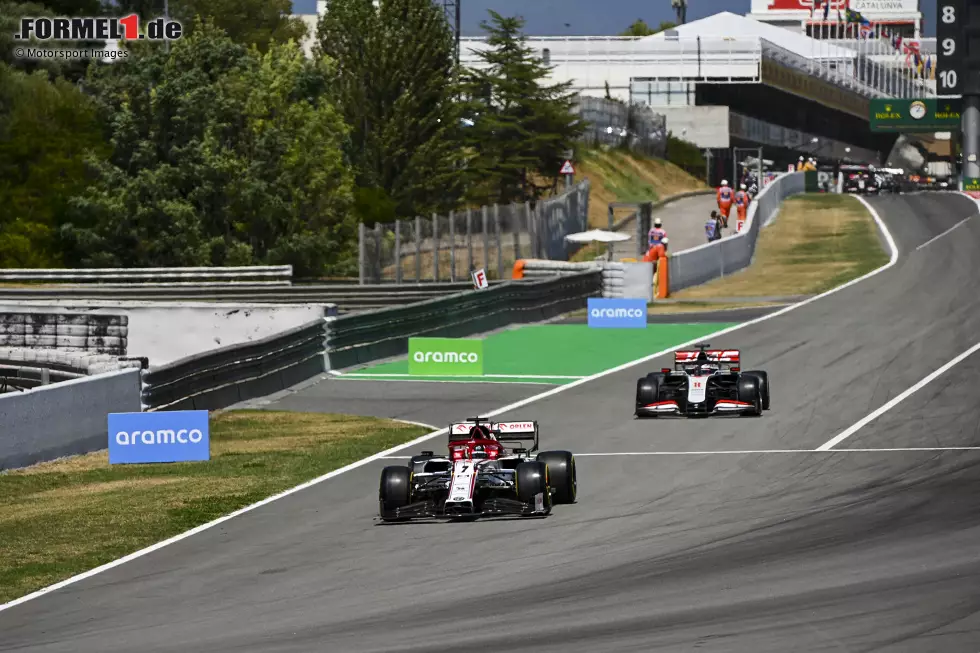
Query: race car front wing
{"type": "Point", "coordinates": [670, 407]}
{"type": "Point", "coordinates": [492, 506]}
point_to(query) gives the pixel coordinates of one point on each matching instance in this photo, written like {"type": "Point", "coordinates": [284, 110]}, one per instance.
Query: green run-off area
{"type": "Point", "coordinates": [557, 353]}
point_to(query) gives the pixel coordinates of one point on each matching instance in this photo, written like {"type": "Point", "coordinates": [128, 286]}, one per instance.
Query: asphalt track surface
{"type": "Point", "coordinates": [847, 550]}
{"type": "Point", "coordinates": [683, 221]}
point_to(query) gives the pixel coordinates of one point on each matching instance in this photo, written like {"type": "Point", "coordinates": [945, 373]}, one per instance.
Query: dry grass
{"type": "Point", "coordinates": [816, 243]}
{"type": "Point", "coordinates": [620, 177]}
{"type": "Point", "coordinates": [703, 307]}
{"type": "Point", "coordinates": [63, 517]}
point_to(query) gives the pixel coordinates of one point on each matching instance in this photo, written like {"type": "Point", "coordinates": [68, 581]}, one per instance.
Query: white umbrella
{"type": "Point", "coordinates": [597, 235]}
{"type": "Point", "coordinates": [600, 236]}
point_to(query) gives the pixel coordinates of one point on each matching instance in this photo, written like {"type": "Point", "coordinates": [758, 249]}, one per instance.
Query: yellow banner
{"type": "Point", "coordinates": [811, 88]}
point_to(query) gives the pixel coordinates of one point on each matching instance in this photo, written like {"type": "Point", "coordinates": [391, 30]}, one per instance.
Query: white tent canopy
{"type": "Point", "coordinates": [729, 25]}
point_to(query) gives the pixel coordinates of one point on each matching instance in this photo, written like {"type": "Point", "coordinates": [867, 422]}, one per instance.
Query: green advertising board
{"type": "Point", "coordinates": [971, 184]}
{"type": "Point", "coordinates": [445, 357]}
{"type": "Point", "coordinates": [915, 115]}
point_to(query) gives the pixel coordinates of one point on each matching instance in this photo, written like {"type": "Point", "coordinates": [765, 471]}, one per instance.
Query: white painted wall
{"type": "Point", "coordinates": [164, 331]}
{"type": "Point", "coordinates": [703, 126]}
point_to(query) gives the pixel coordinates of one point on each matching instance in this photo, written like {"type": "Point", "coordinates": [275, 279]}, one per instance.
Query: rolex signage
{"type": "Point", "coordinates": [915, 115]}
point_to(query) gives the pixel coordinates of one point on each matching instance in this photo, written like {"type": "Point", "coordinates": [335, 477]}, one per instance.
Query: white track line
{"type": "Point", "coordinates": [443, 431]}
{"type": "Point", "coordinates": [740, 452]}
{"type": "Point", "coordinates": [366, 375]}
{"type": "Point", "coordinates": [935, 238]}
{"type": "Point", "coordinates": [364, 378]}
{"type": "Point", "coordinates": [854, 428]}
{"type": "Point", "coordinates": [406, 421]}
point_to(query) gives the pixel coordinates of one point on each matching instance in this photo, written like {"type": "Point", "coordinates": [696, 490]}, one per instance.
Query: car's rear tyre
{"type": "Point", "coordinates": [749, 392]}
{"type": "Point", "coordinates": [561, 475]}
{"type": "Point", "coordinates": [531, 479]}
{"type": "Point", "coordinates": [395, 491]}
{"type": "Point", "coordinates": [763, 378]}
{"type": "Point", "coordinates": [648, 389]}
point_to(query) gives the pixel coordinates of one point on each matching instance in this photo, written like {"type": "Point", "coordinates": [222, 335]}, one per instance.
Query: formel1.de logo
{"type": "Point", "coordinates": [101, 28]}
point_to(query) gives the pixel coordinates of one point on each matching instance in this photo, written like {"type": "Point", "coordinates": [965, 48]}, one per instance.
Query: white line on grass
{"type": "Point", "coordinates": [364, 378]}
{"type": "Point", "coordinates": [854, 428]}
{"type": "Point", "coordinates": [935, 238]}
{"type": "Point", "coordinates": [443, 431]}
{"type": "Point", "coordinates": [362, 375]}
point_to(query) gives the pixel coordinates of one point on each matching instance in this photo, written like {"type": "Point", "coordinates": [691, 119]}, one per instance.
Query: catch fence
{"type": "Point", "coordinates": [492, 238]}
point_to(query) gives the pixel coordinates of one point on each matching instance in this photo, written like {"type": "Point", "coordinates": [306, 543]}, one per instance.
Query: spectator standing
{"type": "Point", "coordinates": [725, 196]}
{"type": "Point", "coordinates": [657, 234]}
{"type": "Point", "coordinates": [799, 165]}
{"type": "Point", "coordinates": [712, 228]}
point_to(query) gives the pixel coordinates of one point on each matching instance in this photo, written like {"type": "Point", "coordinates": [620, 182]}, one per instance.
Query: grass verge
{"type": "Point", "coordinates": [704, 307]}
{"type": "Point", "coordinates": [61, 518]}
{"type": "Point", "coordinates": [619, 176]}
{"type": "Point", "coordinates": [817, 242]}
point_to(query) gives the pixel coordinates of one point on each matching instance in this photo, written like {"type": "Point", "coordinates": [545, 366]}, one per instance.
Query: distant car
{"type": "Point", "coordinates": [860, 180]}
{"type": "Point", "coordinates": [703, 382]}
{"type": "Point", "coordinates": [481, 476]}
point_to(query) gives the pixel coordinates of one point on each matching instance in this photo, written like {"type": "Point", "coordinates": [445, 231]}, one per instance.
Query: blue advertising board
{"type": "Point", "coordinates": [159, 437]}
{"type": "Point", "coordinates": [617, 313]}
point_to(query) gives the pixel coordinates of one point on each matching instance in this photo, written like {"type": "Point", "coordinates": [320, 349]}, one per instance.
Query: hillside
{"type": "Point", "coordinates": [619, 176]}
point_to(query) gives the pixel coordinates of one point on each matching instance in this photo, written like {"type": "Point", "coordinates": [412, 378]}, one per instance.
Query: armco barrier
{"type": "Point", "coordinates": [63, 330]}
{"type": "Point", "coordinates": [257, 273]}
{"type": "Point", "coordinates": [701, 264]}
{"type": "Point", "coordinates": [367, 337]}
{"type": "Point", "coordinates": [235, 373]}
{"type": "Point", "coordinates": [347, 297]}
{"type": "Point", "coordinates": [63, 419]}
{"type": "Point", "coordinates": [228, 375]}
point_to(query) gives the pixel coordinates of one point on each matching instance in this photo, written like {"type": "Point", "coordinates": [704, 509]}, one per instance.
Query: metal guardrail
{"type": "Point", "coordinates": [280, 273]}
{"type": "Point", "coordinates": [228, 375]}
{"type": "Point", "coordinates": [348, 297]}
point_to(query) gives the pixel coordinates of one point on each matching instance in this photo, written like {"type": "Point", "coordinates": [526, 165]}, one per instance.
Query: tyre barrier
{"type": "Point", "coordinates": [107, 334]}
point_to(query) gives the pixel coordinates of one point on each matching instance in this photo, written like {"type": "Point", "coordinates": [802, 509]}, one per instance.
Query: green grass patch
{"type": "Point", "coordinates": [61, 518]}
{"type": "Point", "coordinates": [569, 349]}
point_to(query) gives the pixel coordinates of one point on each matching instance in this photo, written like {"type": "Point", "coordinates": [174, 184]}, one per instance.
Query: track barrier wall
{"type": "Point", "coordinates": [701, 264]}
{"type": "Point", "coordinates": [65, 418]}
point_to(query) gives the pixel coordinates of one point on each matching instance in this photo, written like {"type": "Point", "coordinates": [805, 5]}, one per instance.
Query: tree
{"type": "Point", "coordinates": [395, 84]}
{"type": "Point", "coordinates": [248, 22]}
{"type": "Point", "coordinates": [220, 156]}
{"type": "Point", "coordinates": [522, 126]}
{"type": "Point", "coordinates": [46, 130]}
{"type": "Point", "coordinates": [640, 28]}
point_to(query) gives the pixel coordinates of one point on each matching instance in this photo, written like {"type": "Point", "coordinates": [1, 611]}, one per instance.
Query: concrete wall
{"type": "Point", "coordinates": [167, 331]}
{"type": "Point", "coordinates": [703, 126]}
{"type": "Point", "coordinates": [64, 418]}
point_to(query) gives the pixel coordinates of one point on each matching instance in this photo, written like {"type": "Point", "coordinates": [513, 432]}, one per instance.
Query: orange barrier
{"type": "Point", "coordinates": [518, 269]}
{"type": "Point", "coordinates": [663, 283]}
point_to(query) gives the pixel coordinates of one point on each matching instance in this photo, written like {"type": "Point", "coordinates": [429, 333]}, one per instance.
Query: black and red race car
{"type": "Point", "coordinates": [703, 382]}
{"type": "Point", "coordinates": [481, 476]}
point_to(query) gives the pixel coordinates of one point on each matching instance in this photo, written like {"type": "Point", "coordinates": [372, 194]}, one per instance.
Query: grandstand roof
{"type": "Point", "coordinates": [727, 24]}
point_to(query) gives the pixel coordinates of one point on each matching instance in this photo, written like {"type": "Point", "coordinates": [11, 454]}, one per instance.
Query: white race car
{"type": "Point", "coordinates": [703, 382]}
{"type": "Point", "coordinates": [480, 476]}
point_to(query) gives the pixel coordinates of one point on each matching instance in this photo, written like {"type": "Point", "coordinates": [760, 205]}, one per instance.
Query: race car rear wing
{"type": "Point", "coordinates": [518, 431]}
{"type": "Point", "coordinates": [726, 358]}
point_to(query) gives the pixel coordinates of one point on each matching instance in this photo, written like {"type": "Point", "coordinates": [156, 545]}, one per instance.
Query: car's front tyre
{"type": "Point", "coordinates": [561, 475]}
{"type": "Point", "coordinates": [395, 491]}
